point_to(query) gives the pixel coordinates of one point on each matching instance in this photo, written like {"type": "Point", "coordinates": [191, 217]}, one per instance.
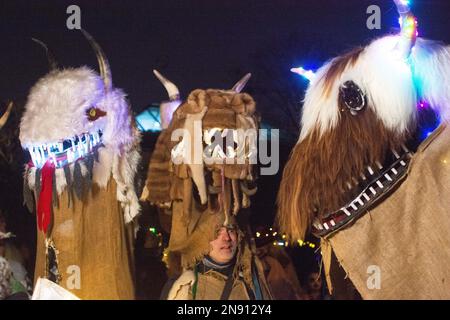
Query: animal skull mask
{"type": "Point", "coordinates": [203, 195]}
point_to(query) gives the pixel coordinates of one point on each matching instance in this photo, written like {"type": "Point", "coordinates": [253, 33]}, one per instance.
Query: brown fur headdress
{"type": "Point", "coordinates": [202, 197]}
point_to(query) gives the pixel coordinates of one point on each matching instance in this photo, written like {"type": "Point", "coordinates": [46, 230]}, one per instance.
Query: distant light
{"type": "Point", "coordinates": [149, 120]}
{"type": "Point", "coordinates": [152, 230]}
{"type": "Point", "coordinates": [307, 74]}
{"type": "Point", "coordinates": [410, 26]}
{"type": "Point", "coordinates": [258, 234]}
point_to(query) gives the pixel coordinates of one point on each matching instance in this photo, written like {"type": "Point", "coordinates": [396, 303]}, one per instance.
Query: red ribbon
{"type": "Point", "coordinates": [44, 208]}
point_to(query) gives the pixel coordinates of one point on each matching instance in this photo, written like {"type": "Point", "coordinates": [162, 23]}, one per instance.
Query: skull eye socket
{"type": "Point", "coordinates": [351, 95]}
{"type": "Point", "coordinates": [94, 113]}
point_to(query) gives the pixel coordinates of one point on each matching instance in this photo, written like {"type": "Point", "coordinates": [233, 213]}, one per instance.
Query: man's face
{"type": "Point", "coordinates": [223, 248]}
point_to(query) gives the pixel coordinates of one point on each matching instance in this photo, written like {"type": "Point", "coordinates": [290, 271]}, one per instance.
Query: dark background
{"type": "Point", "coordinates": [199, 44]}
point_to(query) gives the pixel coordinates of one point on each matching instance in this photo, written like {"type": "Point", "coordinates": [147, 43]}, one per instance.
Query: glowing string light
{"type": "Point", "coordinates": [280, 240]}
{"type": "Point", "coordinates": [307, 74]}
{"type": "Point", "coordinates": [410, 27]}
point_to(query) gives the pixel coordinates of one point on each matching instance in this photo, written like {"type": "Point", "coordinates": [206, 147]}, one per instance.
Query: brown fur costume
{"type": "Point", "coordinates": [228, 186]}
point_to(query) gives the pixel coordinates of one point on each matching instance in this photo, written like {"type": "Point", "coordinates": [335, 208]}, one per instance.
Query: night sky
{"type": "Point", "coordinates": [199, 44]}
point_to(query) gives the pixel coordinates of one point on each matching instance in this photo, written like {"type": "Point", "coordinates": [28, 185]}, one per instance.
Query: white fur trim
{"type": "Point", "coordinates": [56, 110]}
{"type": "Point", "coordinates": [57, 104]}
{"type": "Point", "coordinates": [382, 75]}
{"type": "Point", "coordinates": [124, 170]}
{"type": "Point", "coordinates": [30, 176]}
{"type": "Point", "coordinates": [61, 182]}
{"type": "Point", "coordinates": [431, 67]}
{"type": "Point", "coordinates": [101, 172]}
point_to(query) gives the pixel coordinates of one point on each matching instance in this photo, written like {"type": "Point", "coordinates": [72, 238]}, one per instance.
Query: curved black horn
{"type": "Point", "coordinates": [105, 70]}
{"type": "Point", "coordinates": [52, 63]}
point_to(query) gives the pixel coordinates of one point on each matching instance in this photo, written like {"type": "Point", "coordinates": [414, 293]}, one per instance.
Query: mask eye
{"type": "Point", "coordinates": [94, 113]}
{"type": "Point", "coordinates": [352, 97]}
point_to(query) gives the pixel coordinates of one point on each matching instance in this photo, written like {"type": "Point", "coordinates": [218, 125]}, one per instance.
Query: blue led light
{"type": "Point", "coordinates": [307, 74]}
{"type": "Point", "coordinates": [149, 120]}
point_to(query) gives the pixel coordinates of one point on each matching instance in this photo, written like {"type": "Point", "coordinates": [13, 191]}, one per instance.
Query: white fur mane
{"type": "Point", "coordinates": [391, 84]}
